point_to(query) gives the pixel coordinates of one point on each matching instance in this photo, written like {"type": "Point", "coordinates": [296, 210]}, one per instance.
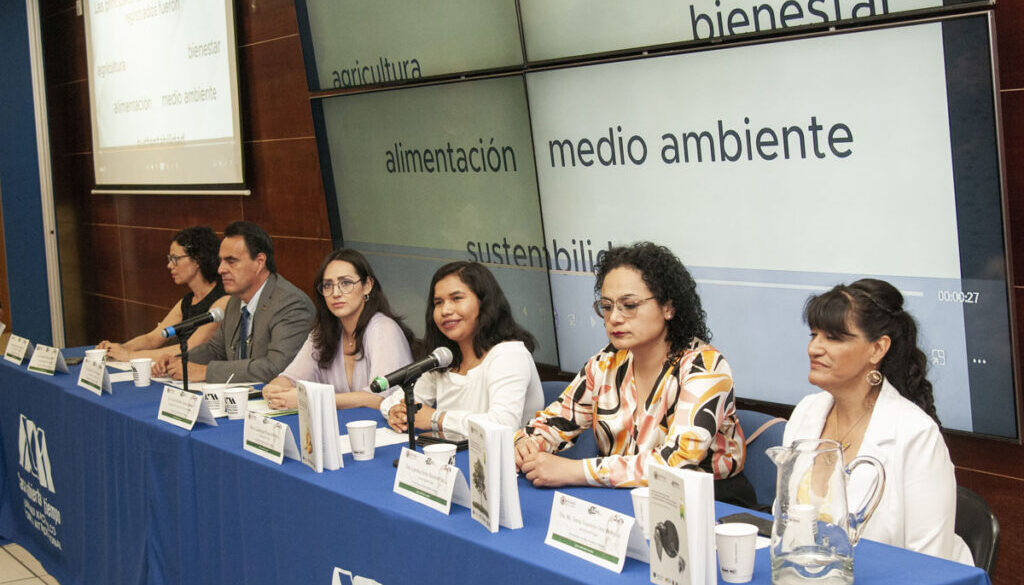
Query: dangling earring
{"type": "Point", "coordinates": [874, 378]}
{"type": "Point", "coordinates": [366, 297]}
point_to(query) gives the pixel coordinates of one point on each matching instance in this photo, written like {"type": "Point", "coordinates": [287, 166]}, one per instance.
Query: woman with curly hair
{"type": "Point", "coordinates": [877, 401]}
{"type": "Point", "coordinates": [192, 262]}
{"type": "Point", "coordinates": [355, 337]}
{"type": "Point", "coordinates": [658, 392]}
{"type": "Point", "coordinates": [492, 370]}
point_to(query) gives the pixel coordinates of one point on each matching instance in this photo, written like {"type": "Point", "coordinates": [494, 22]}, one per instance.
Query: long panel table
{"type": "Point", "coordinates": [103, 493]}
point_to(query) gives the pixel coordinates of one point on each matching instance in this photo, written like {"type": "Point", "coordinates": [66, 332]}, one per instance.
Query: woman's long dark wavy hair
{"type": "Point", "coordinates": [202, 245]}
{"type": "Point", "coordinates": [670, 282]}
{"type": "Point", "coordinates": [494, 324]}
{"type": "Point", "coordinates": [327, 328]}
{"type": "Point", "coordinates": [876, 308]}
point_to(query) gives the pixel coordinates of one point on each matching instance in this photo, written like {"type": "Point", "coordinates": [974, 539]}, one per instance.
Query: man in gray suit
{"type": "Point", "coordinates": [266, 320]}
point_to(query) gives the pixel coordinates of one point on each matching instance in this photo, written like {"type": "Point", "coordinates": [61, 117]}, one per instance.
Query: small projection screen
{"type": "Point", "coordinates": [163, 90]}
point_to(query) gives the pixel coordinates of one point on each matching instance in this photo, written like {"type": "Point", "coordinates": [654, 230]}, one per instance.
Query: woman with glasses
{"type": "Point", "coordinates": [658, 392]}
{"type": "Point", "coordinates": [355, 338]}
{"type": "Point", "coordinates": [492, 369]}
{"type": "Point", "coordinates": [192, 261]}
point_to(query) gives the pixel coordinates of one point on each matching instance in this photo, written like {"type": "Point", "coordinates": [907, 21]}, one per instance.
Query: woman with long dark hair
{"type": "Point", "coordinates": [492, 371]}
{"type": "Point", "coordinates": [355, 337]}
{"type": "Point", "coordinates": [192, 261]}
{"type": "Point", "coordinates": [658, 392]}
{"type": "Point", "coordinates": [877, 401]}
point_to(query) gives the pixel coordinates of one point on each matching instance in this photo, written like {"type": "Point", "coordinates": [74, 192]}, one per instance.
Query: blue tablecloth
{"type": "Point", "coordinates": [134, 500]}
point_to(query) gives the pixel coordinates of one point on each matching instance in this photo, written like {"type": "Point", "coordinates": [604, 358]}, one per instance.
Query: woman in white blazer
{"type": "Point", "coordinates": [876, 401]}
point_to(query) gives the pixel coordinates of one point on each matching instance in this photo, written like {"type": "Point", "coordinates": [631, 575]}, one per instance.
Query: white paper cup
{"type": "Point", "coordinates": [736, 543]}
{"type": "Point", "coordinates": [96, 355]}
{"type": "Point", "coordinates": [362, 435]}
{"type": "Point", "coordinates": [641, 509]}
{"type": "Point", "coordinates": [236, 402]}
{"type": "Point", "coordinates": [142, 371]}
{"type": "Point", "coordinates": [441, 453]}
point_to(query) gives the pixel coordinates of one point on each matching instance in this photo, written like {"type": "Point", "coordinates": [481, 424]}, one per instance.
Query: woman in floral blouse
{"type": "Point", "coordinates": [658, 392]}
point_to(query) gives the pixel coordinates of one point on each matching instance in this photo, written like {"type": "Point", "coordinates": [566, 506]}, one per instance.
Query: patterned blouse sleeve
{"type": "Point", "coordinates": [556, 427]}
{"type": "Point", "coordinates": [699, 415]}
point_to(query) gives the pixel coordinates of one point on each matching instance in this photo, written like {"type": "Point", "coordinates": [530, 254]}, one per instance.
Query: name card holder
{"type": "Point", "coordinates": [18, 348]}
{"type": "Point", "coordinates": [47, 360]}
{"type": "Point", "coordinates": [593, 533]}
{"type": "Point", "coordinates": [183, 409]}
{"type": "Point", "coordinates": [435, 484]}
{"type": "Point", "coordinates": [270, 439]}
{"type": "Point", "coordinates": [94, 377]}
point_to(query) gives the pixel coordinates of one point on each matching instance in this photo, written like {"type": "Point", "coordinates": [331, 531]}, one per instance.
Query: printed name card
{"type": "Point", "coordinates": [47, 360]}
{"type": "Point", "coordinates": [430, 482]}
{"type": "Point", "coordinates": [94, 377]}
{"type": "Point", "coordinates": [588, 531]}
{"type": "Point", "coordinates": [269, 438]}
{"type": "Point", "coordinates": [18, 348]}
{"type": "Point", "coordinates": [183, 409]}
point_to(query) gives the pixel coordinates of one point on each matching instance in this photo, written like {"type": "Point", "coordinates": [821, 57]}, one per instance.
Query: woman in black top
{"type": "Point", "coordinates": [193, 262]}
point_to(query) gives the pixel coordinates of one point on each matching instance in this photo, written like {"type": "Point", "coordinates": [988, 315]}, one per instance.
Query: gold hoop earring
{"type": "Point", "coordinates": [874, 378]}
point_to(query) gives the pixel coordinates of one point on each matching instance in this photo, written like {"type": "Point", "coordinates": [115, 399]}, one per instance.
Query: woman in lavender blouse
{"type": "Point", "coordinates": [355, 338]}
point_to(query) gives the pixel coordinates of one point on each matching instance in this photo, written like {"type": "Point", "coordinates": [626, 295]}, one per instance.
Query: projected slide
{"type": "Point", "coordinates": [568, 28]}
{"type": "Point", "coordinates": [358, 43]}
{"type": "Point", "coordinates": [434, 174]}
{"type": "Point", "coordinates": [163, 88]}
{"type": "Point", "coordinates": [776, 171]}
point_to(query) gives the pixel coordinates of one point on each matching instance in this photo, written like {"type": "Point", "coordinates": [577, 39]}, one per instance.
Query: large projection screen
{"type": "Point", "coordinates": [776, 171]}
{"type": "Point", "coordinates": [163, 89]}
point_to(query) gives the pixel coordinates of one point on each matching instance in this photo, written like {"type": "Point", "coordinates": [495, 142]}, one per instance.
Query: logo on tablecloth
{"type": "Point", "coordinates": [33, 455]}
{"type": "Point", "coordinates": [343, 577]}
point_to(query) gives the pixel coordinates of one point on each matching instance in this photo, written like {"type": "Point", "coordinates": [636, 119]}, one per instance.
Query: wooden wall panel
{"type": "Point", "coordinates": [299, 258]}
{"type": "Point", "coordinates": [1010, 43]}
{"type": "Point", "coordinates": [70, 131]}
{"type": "Point", "coordinates": [1013, 143]}
{"type": "Point", "coordinates": [177, 212]}
{"type": "Point", "coordinates": [264, 20]}
{"type": "Point", "coordinates": [277, 100]}
{"type": "Point", "coordinates": [105, 318]}
{"type": "Point", "coordinates": [62, 50]}
{"type": "Point", "coordinates": [146, 277]}
{"type": "Point", "coordinates": [142, 317]}
{"type": "Point", "coordinates": [290, 194]}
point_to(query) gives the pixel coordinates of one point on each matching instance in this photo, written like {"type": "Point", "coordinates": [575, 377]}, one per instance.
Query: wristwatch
{"type": "Point", "coordinates": [434, 418]}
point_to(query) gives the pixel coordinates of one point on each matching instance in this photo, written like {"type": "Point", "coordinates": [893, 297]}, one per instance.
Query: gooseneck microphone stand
{"type": "Point", "coordinates": [183, 344]}
{"type": "Point", "coordinates": [410, 410]}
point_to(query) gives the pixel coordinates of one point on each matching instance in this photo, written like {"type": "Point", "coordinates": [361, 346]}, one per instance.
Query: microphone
{"type": "Point", "coordinates": [214, 315]}
{"type": "Point", "coordinates": [439, 358]}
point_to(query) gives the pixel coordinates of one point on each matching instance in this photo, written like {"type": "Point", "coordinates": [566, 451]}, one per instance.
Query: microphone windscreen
{"type": "Point", "coordinates": [443, 355]}
{"type": "Point", "coordinates": [217, 314]}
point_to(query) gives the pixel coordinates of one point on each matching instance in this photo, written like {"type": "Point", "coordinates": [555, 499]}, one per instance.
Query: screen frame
{"type": "Point", "coordinates": [959, 11]}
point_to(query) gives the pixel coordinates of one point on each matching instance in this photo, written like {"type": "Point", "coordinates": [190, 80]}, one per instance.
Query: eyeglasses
{"type": "Point", "coordinates": [344, 285]}
{"type": "Point", "coordinates": [173, 260]}
{"type": "Point", "coordinates": [627, 308]}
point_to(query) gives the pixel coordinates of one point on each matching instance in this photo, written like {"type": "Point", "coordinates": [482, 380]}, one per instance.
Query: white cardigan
{"type": "Point", "coordinates": [918, 506]}
{"type": "Point", "coordinates": [505, 385]}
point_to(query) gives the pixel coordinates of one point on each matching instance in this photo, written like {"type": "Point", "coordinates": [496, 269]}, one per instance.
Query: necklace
{"type": "Point", "coordinates": [843, 443]}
